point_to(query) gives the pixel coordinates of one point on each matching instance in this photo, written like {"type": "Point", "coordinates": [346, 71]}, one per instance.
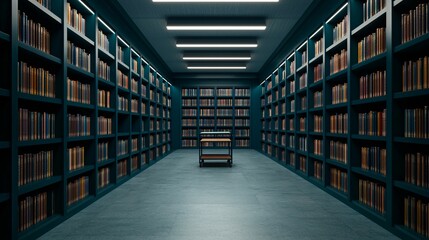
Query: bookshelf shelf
{"type": "Point", "coordinates": [372, 63]}
{"type": "Point", "coordinates": [337, 75]}
{"type": "Point", "coordinates": [77, 206]}
{"type": "Point", "coordinates": [80, 171]}
{"type": "Point", "coordinates": [108, 110]}
{"type": "Point", "coordinates": [369, 174]}
{"type": "Point", "coordinates": [336, 163]}
{"type": "Point", "coordinates": [413, 45]}
{"type": "Point", "coordinates": [337, 193]}
{"type": "Point", "coordinates": [313, 110]}
{"type": "Point", "coordinates": [316, 59]}
{"type": "Point", "coordinates": [337, 135]}
{"type": "Point", "coordinates": [411, 188]}
{"type": "Point", "coordinates": [80, 105]}
{"type": "Point", "coordinates": [39, 142]}
{"type": "Point", "coordinates": [83, 138]}
{"type": "Point", "coordinates": [340, 44]}
{"type": "Point", "coordinates": [4, 144]}
{"type": "Point", "coordinates": [376, 20]}
{"type": "Point", "coordinates": [411, 140]}
{"type": "Point", "coordinates": [412, 94]}
{"type": "Point", "coordinates": [316, 133]}
{"type": "Point", "coordinates": [80, 71]}
{"type": "Point", "coordinates": [38, 185]}
{"type": "Point", "coordinates": [38, 53]}
{"type": "Point", "coordinates": [368, 138]}
{"type": "Point", "coordinates": [374, 100]}
{"type": "Point", "coordinates": [318, 157]}
{"type": "Point", "coordinates": [79, 37]}
{"type": "Point", "coordinates": [105, 83]}
{"type": "Point", "coordinates": [106, 136]}
{"type": "Point", "coordinates": [105, 54]}
{"type": "Point", "coordinates": [370, 211]}
{"type": "Point", "coordinates": [39, 227]}
{"type": "Point", "coordinates": [105, 162]}
{"type": "Point", "coordinates": [336, 106]}
{"type": "Point", "coordinates": [4, 36]}
{"type": "Point", "coordinates": [40, 99]}
{"type": "Point", "coordinates": [4, 197]}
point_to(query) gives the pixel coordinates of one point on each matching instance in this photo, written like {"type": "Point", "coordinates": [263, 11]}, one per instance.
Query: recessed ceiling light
{"type": "Point", "coordinates": [215, 1]}
{"type": "Point", "coordinates": [214, 28]}
{"type": "Point", "coordinates": [216, 58]}
{"type": "Point", "coordinates": [216, 45]}
{"type": "Point", "coordinates": [216, 67]}
{"type": "Point", "coordinates": [216, 23]}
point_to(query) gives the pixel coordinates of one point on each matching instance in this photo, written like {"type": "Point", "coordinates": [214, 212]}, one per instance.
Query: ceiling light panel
{"type": "Point", "coordinates": [216, 43]}
{"type": "Point", "coordinates": [216, 56]}
{"type": "Point", "coordinates": [216, 67]}
{"type": "Point", "coordinates": [216, 24]}
{"type": "Point", "coordinates": [214, 1]}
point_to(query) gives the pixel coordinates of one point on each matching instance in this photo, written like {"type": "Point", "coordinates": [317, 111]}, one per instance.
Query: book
{"type": "Point", "coordinates": [35, 80]}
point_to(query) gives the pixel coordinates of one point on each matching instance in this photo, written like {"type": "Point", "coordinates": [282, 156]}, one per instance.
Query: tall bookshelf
{"type": "Point", "coordinates": [81, 126]}
{"type": "Point", "coordinates": [366, 116]}
{"type": "Point", "coordinates": [215, 109]}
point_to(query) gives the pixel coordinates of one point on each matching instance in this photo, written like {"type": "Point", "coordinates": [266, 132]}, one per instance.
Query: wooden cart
{"type": "Point", "coordinates": [215, 137]}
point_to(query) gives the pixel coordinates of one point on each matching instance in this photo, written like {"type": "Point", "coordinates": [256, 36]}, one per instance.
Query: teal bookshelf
{"type": "Point", "coordinates": [79, 109]}
{"type": "Point", "coordinates": [345, 139]}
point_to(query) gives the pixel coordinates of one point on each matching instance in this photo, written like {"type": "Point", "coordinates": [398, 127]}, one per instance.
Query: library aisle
{"type": "Point", "coordinates": [255, 199]}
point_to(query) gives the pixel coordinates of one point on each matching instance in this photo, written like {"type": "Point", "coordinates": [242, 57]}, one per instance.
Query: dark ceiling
{"type": "Point", "coordinates": [151, 19]}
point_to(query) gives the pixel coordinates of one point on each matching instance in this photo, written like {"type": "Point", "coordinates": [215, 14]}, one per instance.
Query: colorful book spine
{"type": "Point", "coordinates": [242, 102]}
{"type": "Point", "coordinates": [372, 85]}
{"type": "Point", "coordinates": [77, 189]}
{"type": "Point", "coordinates": [372, 194]}
{"type": "Point", "coordinates": [372, 45]}
{"type": "Point", "coordinates": [123, 103]}
{"type": "Point", "coordinates": [372, 123]}
{"type": "Point", "coordinates": [103, 98]}
{"type": "Point", "coordinates": [134, 85]}
{"type": "Point", "coordinates": [318, 99]}
{"type": "Point", "coordinates": [134, 105]}
{"type": "Point", "coordinates": [318, 146]}
{"type": "Point", "coordinates": [339, 93]}
{"type": "Point", "coordinates": [104, 125]}
{"type": "Point", "coordinates": [291, 124]}
{"type": "Point", "coordinates": [207, 102]}
{"type": "Point", "coordinates": [35, 81]}
{"type": "Point", "coordinates": [143, 90]}
{"type": "Point", "coordinates": [318, 72]}
{"type": "Point", "coordinates": [415, 74]}
{"type": "Point", "coordinates": [303, 58]}
{"type": "Point", "coordinates": [33, 33]}
{"type": "Point", "coordinates": [415, 23]}
{"type": "Point", "coordinates": [103, 40]}
{"type": "Point", "coordinates": [207, 92]}
{"type": "Point", "coordinates": [242, 143]}
{"type": "Point", "coordinates": [34, 209]}
{"type": "Point", "coordinates": [78, 56]}
{"type": "Point", "coordinates": [242, 92]}
{"type": "Point", "coordinates": [134, 65]}
{"type": "Point", "coordinates": [318, 47]}
{"type": "Point", "coordinates": [302, 144]}
{"type": "Point", "coordinates": [121, 55]}
{"type": "Point", "coordinates": [103, 151]}
{"type": "Point", "coordinates": [338, 151]}
{"type": "Point", "coordinates": [303, 81]}
{"type": "Point", "coordinates": [189, 143]}
{"type": "Point", "coordinates": [79, 125]}
{"type": "Point", "coordinates": [193, 112]}
{"type": "Point", "coordinates": [103, 70]}
{"type": "Point", "coordinates": [303, 103]}
{"type": "Point", "coordinates": [292, 159]}
{"type": "Point", "coordinates": [35, 166]}
{"type": "Point", "coordinates": [374, 159]}
{"type": "Point", "coordinates": [225, 92]}
{"type": "Point", "coordinates": [224, 102]}
{"type": "Point", "coordinates": [339, 31]}
{"type": "Point", "coordinates": [302, 124]}
{"type": "Point", "coordinates": [417, 169]}
{"type": "Point", "coordinates": [339, 123]}
{"type": "Point", "coordinates": [303, 164]}
{"type": "Point", "coordinates": [219, 112]}
{"type": "Point", "coordinates": [318, 123]}
{"type": "Point", "coordinates": [75, 19]}
{"type": "Point", "coordinates": [123, 80]}
{"type": "Point", "coordinates": [78, 92]}
{"type": "Point", "coordinates": [318, 170]}
{"type": "Point", "coordinates": [242, 122]}
{"type": "Point", "coordinates": [35, 125]}
{"type": "Point", "coordinates": [372, 7]}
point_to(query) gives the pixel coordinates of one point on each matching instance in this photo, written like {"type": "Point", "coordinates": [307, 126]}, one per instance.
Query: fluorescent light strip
{"type": "Point", "coordinates": [302, 45]}
{"type": "Point", "coordinates": [336, 13]}
{"type": "Point", "coordinates": [216, 58]}
{"type": "Point", "coordinates": [214, 68]}
{"type": "Point", "coordinates": [262, 82]}
{"type": "Point", "coordinates": [123, 41]}
{"type": "Point", "coordinates": [89, 9]}
{"type": "Point", "coordinates": [214, 1]}
{"type": "Point", "coordinates": [135, 52]}
{"type": "Point", "coordinates": [291, 55]}
{"type": "Point", "coordinates": [99, 19]}
{"type": "Point", "coordinates": [152, 69]}
{"type": "Point", "coordinates": [215, 45]}
{"type": "Point", "coordinates": [144, 61]}
{"type": "Point", "coordinates": [284, 63]}
{"type": "Point", "coordinates": [213, 28]}
{"type": "Point", "coordinates": [316, 32]}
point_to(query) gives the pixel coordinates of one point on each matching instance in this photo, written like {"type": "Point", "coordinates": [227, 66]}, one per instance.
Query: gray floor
{"type": "Point", "coordinates": [255, 199]}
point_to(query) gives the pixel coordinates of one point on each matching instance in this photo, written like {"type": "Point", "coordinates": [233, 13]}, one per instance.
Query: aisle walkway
{"type": "Point", "coordinates": [255, 199]}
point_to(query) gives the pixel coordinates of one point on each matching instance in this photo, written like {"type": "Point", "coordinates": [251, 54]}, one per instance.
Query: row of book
{"type": "Point", "coordinates": [206, 92]}
{"type": "Point", "coordinates": [291, 87]}
{"type": "Point", "coordinates": [372, 7]}
{"type": "Point", "coordinates": [302, 144]}
{"type": "Point", "coordinates": [122, 168]}
{"type": "Point", "coordinates": [416, 169]}
{"type": "Point", "coordinates": [372, 45]}
{"type": "Point", "coordinates": [35, 125]}
{"type": "Point", "coordinates": [372, 123]}
{"type": "Point", "coordinates": [415, 74]}
{"type": "Point", "coordinates": [242, 112]}
{"type": "Point", "coordinates": [339, 93]}
{"type": "Point", "coordinates": [134, 144]}
{"type": "Point", "coordinates": [103, 151]}
{"type": "Point", "coordinates": [303, 103]}
{"type": "Point", "coordinates": [189, 122]}
{"type": "Point", "coordinates": [103, 177]}
{"type": "Point", "coordinates": [35, 166]}
{"type": "Point", "coordinates": [318, 170]}
{"type": "Point", "coordinates": [338, 61]}
{"type": "Point", "coordinates": [318, 146]}
{"type": "Point", "coordinates": [78, 56]}
{"type": "Point", "coordinates": [122, 103]}
{"type": "Point", "coordinates": [242, 143]}
{"type": "Point", "coordinates": [36, 81]}
{"type": "Point", "coordinates": [292, 159]}
{"type": "Point", "coordinates": [134, 105]}
{"type": "Point", "coordinates": [303, 164]}
{"type": "Point", "coordinates": [104, 125]}
{"type": "Point", "coordinates": [302, 124]}
{"type": "Point", "coordinates": [338, 151]}
{"type": "Point", "coordinates": [192, 112]}
{"type": "Point", "coordinates": [292, 105]}
{"type": "Point", "coordinates": [372, 85]}
{"type": "Point", "coordinates": [189, 143]}
{"type": "Point", "coordinates": [103, 40]}
{"type": "Point", "coordinates": [34, 209]}
{"type": "Point", "coordinates": [79, 125]}
{"type": "Point", "coordinates": [303, 58]}
{"type": "Point", "coordinates": [33, 33]}
{"type": "Point", "coordinates": [103, 98]}
{"type": "Point", "coordinates": [189, 132]}
{"type": "Point", "coordinates": [189, 92]}
{"type": "Point", "coordinates": [134, 66]}
{"type": "Point", "coordinates": [415, 23]}
{"type": "Point", "coordinates": [374, 159]}
{"type": "Point", "coordinates": [121, 54]}
{"type": "Point", "coordinates": [372, 194]}
{"type": "Point", "coordinates": [123, 80]}
{"type": "Point", "coordinates": [242, 102]}
{"type": "Point", "coordinates": [318, 72]}
{"type": "Point", "coordinates": [242, 92]}
{"type": "Point", "coordinates": [122, 147]}
{"type": "Point", "coordinates": [78, 92]}
{"type": "Point", "coordinates": [223, 112]}
{"type": "Point", "coordinates": [77, 189]}
{"type": "Point", "coordinates": [318, 99]}
{"type": "Point", "coordinates": [303, 80]}
{"type": "Point", "coordinates": [339, 31]}
{"type": "Point", "coordinates": [242, 122]}
{"type": "Point", "coordinates": [225, 102]}
{"type": "Point", "coordinates": [416, 215]}
{"type": "Point", "coordinates": [317, 123]}
{"type": "Point", "coordinates": [339, 123]}
{"type": "Point", "coordinates": [338, 179]}
{"type": "Point", "coordinates": [46, 3]}
{"type": "Point", "coordinates": [206, 102]}
{"type": "Point", "coordinates": [103, 70]}
{"type": "Point", "coordinates": [292, 66]}
{"type": "Point", "coordinates": [227, 92]}
{"type": "Point", "coordinates": [134, 85]}
{"type": "Point", "coordinates": [242, 132]}
{"type": "Point", "coordinates": [318, 47]}
{"type": "Point", "coordinates": [76, 19]}
{"type": "Point", "coordinates": [291, 124]}
{"type": "Point", "coordinates": [134, 163]}
{"type": "Point", "coordinates": [76, 157]}
{"type": "Point", "coordinates": [143, 89]}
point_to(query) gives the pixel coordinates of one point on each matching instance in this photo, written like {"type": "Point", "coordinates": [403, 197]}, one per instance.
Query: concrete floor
{"type": "Point", "coordinates": [255, 199]}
